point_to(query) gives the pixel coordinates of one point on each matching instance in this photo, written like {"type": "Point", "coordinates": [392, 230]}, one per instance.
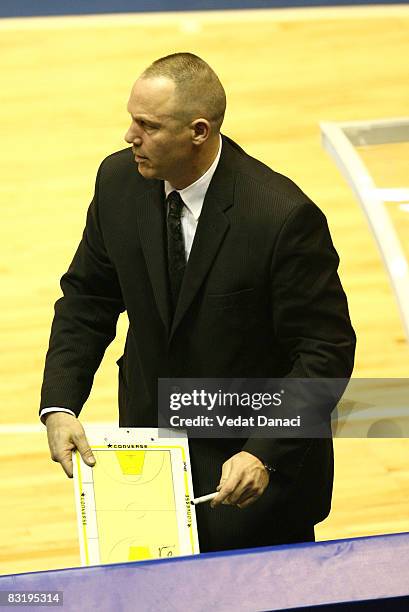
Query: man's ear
{"type": "Point", "coordinates": [200, 131]}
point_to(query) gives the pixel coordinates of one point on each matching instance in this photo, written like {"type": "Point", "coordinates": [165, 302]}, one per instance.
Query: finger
{"type": "Point", "coordinates": [247, 502]}
{"type": "Point", "coordinates": [241, 493]}
{"type": "Point", "coordinates": [215, 501]}
{"type": "Point", "coordinates": [84, 449]}
{"type": "Point", "coordinates": [66, 463]}
{"type": "Point", "coordinates": [223, 496]}
{"type": "Point", "coordinates": [60, 452]}
{"type": "Point", "coordinates": [226, 471]}
{"type": "Point", "coordinates": [226, 468]}
{"type": "Point", "coordinates": [248, 493]}
{"type": "Point", "coordinates": [227, 489]}
{"type": "Point", "coordinates": [250, 496]}
{"type": "Point", "coordinates": [217, 489]}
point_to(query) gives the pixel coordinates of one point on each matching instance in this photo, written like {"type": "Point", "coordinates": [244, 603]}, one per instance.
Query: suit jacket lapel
{"type": "Point", "coordinates": [211, 230]}
{"type": "Point", "coordinates": [152, 232]}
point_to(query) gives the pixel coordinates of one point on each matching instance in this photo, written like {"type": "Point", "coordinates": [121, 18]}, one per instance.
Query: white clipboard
{"type": "Point", "coordinates": [134, 504]}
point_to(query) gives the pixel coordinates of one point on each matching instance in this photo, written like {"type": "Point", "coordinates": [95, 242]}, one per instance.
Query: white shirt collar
{"type": "Point", "coordinates": [193, 196]}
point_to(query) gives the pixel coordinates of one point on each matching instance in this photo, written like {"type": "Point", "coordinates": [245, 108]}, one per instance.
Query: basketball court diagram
{"type": "Point", "coordinates": [134, 504]}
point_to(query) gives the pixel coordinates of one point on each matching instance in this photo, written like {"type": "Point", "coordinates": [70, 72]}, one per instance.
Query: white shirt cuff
{"type": "Point", "coordinates": [54, 409]}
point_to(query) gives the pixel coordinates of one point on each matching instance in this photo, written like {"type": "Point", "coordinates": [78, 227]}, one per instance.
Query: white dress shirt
{"type": "Point", "coordinates": [193, 197]}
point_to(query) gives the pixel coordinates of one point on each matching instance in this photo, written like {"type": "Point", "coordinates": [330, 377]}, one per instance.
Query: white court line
{"type": "Point", "coordinates": [394, 194]}
{"type": "Point", "coordinates": [32, 428]}
{"type": "Point", "coordinates": [204, 17]}
{"type": "Point", "coordinates": [341, 142]}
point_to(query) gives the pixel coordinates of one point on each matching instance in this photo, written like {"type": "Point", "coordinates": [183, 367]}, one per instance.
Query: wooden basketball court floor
{"type": "Point", "coordinates": [64, 88]}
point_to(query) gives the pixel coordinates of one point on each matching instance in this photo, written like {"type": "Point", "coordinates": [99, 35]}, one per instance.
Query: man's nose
{"type": "Point", "coordinates": [132, 136]}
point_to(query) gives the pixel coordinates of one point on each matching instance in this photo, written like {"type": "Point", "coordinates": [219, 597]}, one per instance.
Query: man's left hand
{"type": "Point", "coordinates": [244, 479]}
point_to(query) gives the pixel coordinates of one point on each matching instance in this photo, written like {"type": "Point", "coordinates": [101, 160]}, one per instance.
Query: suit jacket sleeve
{"type": "Point", "coordinates": [84, 321]}
{"type": "Point", "coordinates": [310, 318]}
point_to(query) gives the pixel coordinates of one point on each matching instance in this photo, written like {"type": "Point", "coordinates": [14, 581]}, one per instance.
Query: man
{"type": "Point", "coordinates": [259, 296]}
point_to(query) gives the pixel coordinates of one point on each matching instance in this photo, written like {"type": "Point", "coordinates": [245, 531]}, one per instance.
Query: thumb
{"type": "Point", "coordinates": [84, 449]}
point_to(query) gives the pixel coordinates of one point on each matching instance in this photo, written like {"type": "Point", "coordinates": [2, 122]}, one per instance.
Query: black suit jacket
{"type": "Point", "coordinates": [260, 298]}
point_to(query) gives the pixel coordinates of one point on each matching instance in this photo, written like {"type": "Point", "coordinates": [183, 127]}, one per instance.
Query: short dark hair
{"type": "Point", "coordinates": [198, 88]}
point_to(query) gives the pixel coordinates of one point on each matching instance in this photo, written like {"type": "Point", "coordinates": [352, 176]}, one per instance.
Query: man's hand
{"type": "Point", "coordinates": [65, 434]}
{"type": "Point", "coordinates": [244, 479]}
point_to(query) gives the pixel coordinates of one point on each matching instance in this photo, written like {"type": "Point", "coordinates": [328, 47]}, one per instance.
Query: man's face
{"type": "Point", "coordinates": [161, 141]}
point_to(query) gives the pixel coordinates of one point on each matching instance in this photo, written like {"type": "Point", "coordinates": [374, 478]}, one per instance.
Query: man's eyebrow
{"type": "Point", "coordinates": [145, 118]}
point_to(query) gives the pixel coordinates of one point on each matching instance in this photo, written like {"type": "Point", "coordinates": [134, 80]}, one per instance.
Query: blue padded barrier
{"type": "Point", "coordinates": [346, 573]}
{"type": "Point", "coordinates": [21, 8]}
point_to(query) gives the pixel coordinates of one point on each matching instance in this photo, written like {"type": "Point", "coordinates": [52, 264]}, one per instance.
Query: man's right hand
{"type": "Point", "coordinates": [65, 434]}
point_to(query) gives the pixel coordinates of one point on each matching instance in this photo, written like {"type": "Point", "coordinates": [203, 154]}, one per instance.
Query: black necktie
{"type": "Point", "coordinates": [176, 245]}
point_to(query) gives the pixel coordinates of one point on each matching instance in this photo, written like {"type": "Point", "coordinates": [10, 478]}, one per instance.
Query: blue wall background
{"type": "Point", "coordinates": [20, 8]}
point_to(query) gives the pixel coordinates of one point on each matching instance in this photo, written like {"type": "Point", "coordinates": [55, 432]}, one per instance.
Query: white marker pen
{"type": "Point", "coordinates": [204, 498]}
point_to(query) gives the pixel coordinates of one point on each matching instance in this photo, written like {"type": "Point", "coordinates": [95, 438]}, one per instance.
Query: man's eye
{"type": "Point", "coordinates": [147, 126]}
